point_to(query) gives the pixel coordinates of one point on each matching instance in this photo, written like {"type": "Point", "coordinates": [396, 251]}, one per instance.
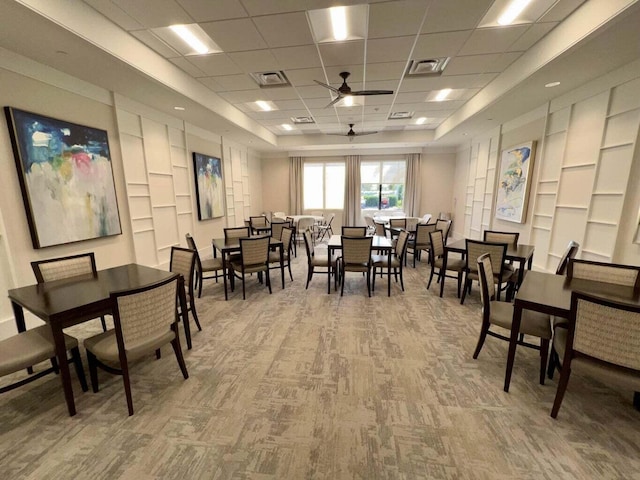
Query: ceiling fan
{"type": "Point", "coordinates": [351, 134]}
{"type": "Point", "coordinates": [345, 90]}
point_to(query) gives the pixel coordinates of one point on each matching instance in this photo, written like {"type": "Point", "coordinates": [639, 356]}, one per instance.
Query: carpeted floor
{"type": "Point", "coordinates": [304, 385]}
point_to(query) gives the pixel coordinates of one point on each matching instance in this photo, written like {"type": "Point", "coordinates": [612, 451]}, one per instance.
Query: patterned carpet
{"type": "Point", "coordinates": [304, 385]}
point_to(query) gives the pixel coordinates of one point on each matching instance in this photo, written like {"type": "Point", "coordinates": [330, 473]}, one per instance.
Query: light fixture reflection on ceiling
{"type": "Point", "coordinates": [421, 120]}
{"type": "Point", "coordinates": [189, 38]}
{"type": "Point", "coordinates": [552, 84]}
{"type": "Point", "coordinates": [180, 109]}
{"type": "Point", "coordinates": [264, 105]}
{"type": "Point", "coordinates": [287, 127]}
{"type": "Point", "coordinates": [339, 23]}
{"type": "Point", "coordinates": [442, 95]}
{"type": "Point", "coordinates": [514, 9]}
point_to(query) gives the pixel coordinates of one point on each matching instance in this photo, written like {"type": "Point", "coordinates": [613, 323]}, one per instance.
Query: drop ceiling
{"type": "Point", "coordinates": [276, 36]}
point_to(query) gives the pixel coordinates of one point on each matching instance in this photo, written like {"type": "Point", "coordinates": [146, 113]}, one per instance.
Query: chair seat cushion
{"type": "Point", "coordinates": [382, 261]}
{"type": "Point", "coordinates": [454, 264]}
{"type": "Point", "coordinates": [274, 257]}
{"type": "Point", "coordinates": [261, 267]}
{"type": "Point", "coordinates": [29, 348]}
{"type": "Point", "coordinates": [211, 264]}
{"type": "Point", "coordinates": [355, 267]}
{"type": "Point", "coordinates": [321, 261]}
{"type": "Point", "coordinates": [105, 346]}
{"type": "Point", "coordinates": [533, 323]}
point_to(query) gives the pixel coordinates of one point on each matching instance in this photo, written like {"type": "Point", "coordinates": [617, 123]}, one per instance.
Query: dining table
{"type": "Point", "coordinates": [232, 245]}
{"type": "Point", "coordinates": [379, 243]}
{"type": "Point", "coordinates": [551, 294]}
{"type": "Point", "coordinates": [521, 253]}
{"type": "Point", "coordinates": [63, 303]}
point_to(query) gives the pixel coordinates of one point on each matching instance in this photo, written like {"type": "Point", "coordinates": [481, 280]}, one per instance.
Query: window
{"type": "Point", "coordinates": [382, 185]}
{"type": "Point", "coordinates": [323, 186]}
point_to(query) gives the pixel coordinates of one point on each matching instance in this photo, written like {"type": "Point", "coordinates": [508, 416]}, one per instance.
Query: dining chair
{"type": "Point", "coordinates": [183, 262]}
{"type": "Point", "coordinates": [276, 227]}
{"type": "Point", "coordinates": [437, 253]}
{"type": "Point", "coordinates": [500, 314]}
{"type": "Point", "coordinates": [426, 218]}
{"type": "Point", "coordinates": [421, 242]}
{"type": "Point", "coordinates": [203, 267]}
{"type": "Point", "coordinates": [398, 223]}
{"type": "Point", "coordinates": [511, 239]}
{"type": "Point", "coordinates": [145, 319]}
{"type": "Point", "coordinates": [445, 226]}
{"type": "Point", "coordinates": [258, 223]}
{"type": "Point", "coordinates": [602, 339]}
{"type": "Point", "coordinates": [254, 258]}
{"type": "Point", "coordinates": [61, 268]}
{"type": "Point", "coordinates": [315, 260]}
{"type": "Point", "coordinates": [236, 232]}
{"type": "Point", "coordinates": [278, 215]}
{"type": "Point", "coordinates": [356, 257]}
{"type": "Point", "coordinates": [371, 226]}
{"type": "Point", "coordinates": [33, 346]}
{"type": "Point", "coordinates": [325, 229]}
{"type": "Point", "coordinates": [380, 229]}
{"type": "Point", "coordinates": [303, 224]}
{"type": "Point", "coordinates": [274, 256]}
{"type": "Point", "coordinates": [381, 262]}
{"type": "Point", "coordinates": [354, 231]}
{"type": "Point", "coordinates": [475, 249]}
{"type": "Point", "coordinates": [412, 223]}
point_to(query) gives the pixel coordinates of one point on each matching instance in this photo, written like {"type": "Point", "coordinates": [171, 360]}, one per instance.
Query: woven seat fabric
{"type": "Point", "coordinates": [533, 323]}
{"type": "Point", "coordinates": [453, 264]}
{"type": "Point", "coordinates": [379, 229]}
{"type": "Point", "coordinates": [236, 232]}
{"type": "Point", "coordinates": [510, 238]}
{"type": "Point", "coordinates": [381, 261]}
{"type": "Point", "coordinates": [105, 346]}
{"type": "Point", "coordinates": [29, 348]}
{"type": "Point", "coordinates": [321, 260]}
{"type": "Point", "coordinates": [182, 263]}
{"type": "Point", "coordinates": [607, 273]}
{"type": "Point", "coordinates": [354, 231]}
{"type": "Point", "coordinates": [65, 268]}
{"type": "Point", "coordinates": [211, 264]}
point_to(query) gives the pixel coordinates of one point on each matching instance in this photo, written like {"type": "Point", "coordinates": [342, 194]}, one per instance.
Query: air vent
{"type": "Point", "coordinates": [300, 120]}
{"type": "Point", "coordinates": [427, 67]}
{"type": "Point", "coordinates": [270, 79]}
{"type": "Point", "coordinates": [400, 115]}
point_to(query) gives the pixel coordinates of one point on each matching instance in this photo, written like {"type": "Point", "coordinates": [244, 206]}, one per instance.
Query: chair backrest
{"type": "Point", "coordinates": [308, 243]}
{"type": "Point", "coordinates": [422, 233]}
{"type": "Point", "coordinates": [444, 216]}
{"type": "Point", "coordinates": [64, 267]}
{"type": "Point", "coordinates": [305, 222]}
{"type": "Point", "coordinates": [445, 226]}
{"type": "Point", "coordinates": [626, 275]}
{"type": "Point", "coordinates": [354, 231]}
{"type": "Point", "coordinates": [183, 261]}
{"type": "Point", "coordinates": [426, 218]}
{"type": "Point", "coordinates": [276, 228]}
{"type": "Point", "coordinates": [254, 251]}
{"type": "Point", "coordinates": [236, 232]}
{"type": "Point", "coordinates": [380, 230]}
{"type": "Point", "coordinates": [401, 244]}
{"type": "Point", "coordinates": [368, 219]}
{"type": "Point", "coordinates": [356, 250]}
{"type": "Point", "coordinates": [144, 314]}
{"type": "Point", "coordinates": [331, 217]}
{"type": "Point", "coordinates": [259, 221]}
{"type": "Point", "coordinates": [510, 238]}
{"type": "Point", "coordinates": [487, 287]}
{"type": "Point", "coordinates": [570, 252]}
{"type": "Point", "coordinates": [191, 245]}
{"type": "Point", "coordinates": [605, 330]}
{"type": "Point", "coordinates": [280, 215]}
{"type": "Point", "coordinates": [437, 244]}
{"type": "Point", "coordinates": [398, 222]}
{"type": "Point", "coordinates": [476, 248]}
{"type": "Point", "coordinates": [412, 223]}
{"type": "Point", "coordinates": [287, 235]}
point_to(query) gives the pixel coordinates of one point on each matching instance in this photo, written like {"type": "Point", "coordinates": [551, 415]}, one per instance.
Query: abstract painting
{"type": "Point", "coordinates": [516, 165]}
{"type": "Point", "coordinates": [209, 186]}
{"type": "Point", "coordinates": [66, 178]}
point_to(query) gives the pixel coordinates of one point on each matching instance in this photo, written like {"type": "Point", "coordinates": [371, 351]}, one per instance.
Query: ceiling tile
{"type": "Point", "coordinates": [211, 83]}
{"type": "Point", "coordinates": [297, 57]}
{"type": "Point", "coordinates": [444, 44]}
{"type": "Point", "coordinates": [445, 15]}
{"type": "Point", "coordinates": [286, 30]}
{"type": "Point", "coordinates": [236, 82]}
{"type": "Point", "coordinates": [215, 65]}
{"type": "Point", "coordinates": [281, 93]}
{"type": "Point", "coordinates": [531, 36]}
{"type": "Point", "coordinates": [385, 71]}
{"type": "Point", "coordinates": [243, 96]}
{"type": "Point", "coordinates": [305, 76]}
{"type": "Point", "coordinates": [311, 91]}
{"type": "Point", "coordinates": [260, 7]}
{"type": "Point", "coordinates": [313, 103]}
{"type": "Point", "coordinates": [561, 10]}
{"type": "Point", "coordinates": [355, 74]}
{"type": "Point", "coordinates": [115, 14]}
{"type": "Point", "coordinates": [379, 100]}
{"type": "Point", "coordinates": [342, 53]}
{"type": "Point", "coordinates": [395, 19]}
{"type": "Point", "coordinates": [389, 49]}
{"type": "Point", "coordinates": [154, 13]}
{"type": "Point", "coordinates": [234, 35]}
{"type": "Point", "coordinates": [203, 11]}
{"type": "Point", "coordinates": [188, 67]}
{"type": "Point", "coordinates": [492, 40]}
{"type": "Point", "coordinates": [290, 104]}
{"type": "Point", "coordinates": [150, 40]}
{"type": "Point", "coordinates": [255, 61]}
{"type": "Point", "coordinates": [463, 81]}
{"type": "Point", "coordinates": [491, 63]}
{"type": "Point", "coordinates": [411, 97]}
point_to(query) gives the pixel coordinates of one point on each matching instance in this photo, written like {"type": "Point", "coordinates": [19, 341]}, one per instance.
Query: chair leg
{"type": "Point", "coordinates": [369, 281]}
{"type": "Point", "coordinates": [104, 323]}
{"type": "Point", "coordinates": [177, 349]}
{"type": "Point", "coordinates": [553, 363]}
{"type": "Point", "coordinates": [195, 315]}
{"type": "Point", "coordinates": [243, 295]}
{"type": "Point", "coordinates": [565, 373]}
{"type": "Point", "coordinates": [289, 267]}
{"type": "Point", "coordinates": [373, 282]}
{"type": "Point", "coordinates": [127, 386]}
{"type": "Point", "coordinates": [459, 282]}
{"type": "Point", "coordinates": [544, 354]}
{"type": "Point", "coordinates": [54, 366]}
{"type": "Point", "coordinates": [430, 278]}
{"type": "Point", "coordinates": [77, 363]}
{"type": "Point", "coordinates": [401, 280]}
{"type": "Point", "coordinates": [343, 276]}
{"type": "Point", "coordinates": [483, 335]}
{"type": "Point", "coordinates": [200, 285]}
{"type": "Point", "coordinates": [93, 371]}
{"type": "Point", "coordinates": [158, 354]}
{"type": "Point", "coordinates": [269, 281]}
{"type": "Point", "coordinates": [467, 286]}
{"type": "Point", "coordinates": [309, 275]}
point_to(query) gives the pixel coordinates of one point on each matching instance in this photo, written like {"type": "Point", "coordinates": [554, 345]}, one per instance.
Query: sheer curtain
{"type": "Point", "coordinates": [295, 185]}
{"type": "Point", "coordinates": [412, 188]}
{"type": "Point", "coordinates": [351, 190]}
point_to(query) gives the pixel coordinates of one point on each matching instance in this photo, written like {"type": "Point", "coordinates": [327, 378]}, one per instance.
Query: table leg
{"type": "Point", "coordinates": [389, 272]}
{"type": "Point", "coordinates": [636, 400]}
{"type": "Point", "coordinates": [443, 271]}
{"type": "Point", "coordinates": [282, 263]}
{"type": "Point", "coordinates": [530, 262]}
{"type": "Point", "coordinates": [224, 274]}
{"type": "Point", "coordinates": [513, 343]}
{"type": "Point", "coordinates": [329, 253]}
{"type": "Point", "coordinates": [183, 310]}
{"type": "Point", "coordinates": [63, 364]}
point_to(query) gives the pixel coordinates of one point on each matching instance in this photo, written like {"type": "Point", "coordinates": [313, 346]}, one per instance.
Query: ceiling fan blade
{"type": "Point", "coordinates": [334, 90]}
{"type": "Point", "coordinates": [334, 101]}
{"type": "Point", "coordinates": [372, 92]}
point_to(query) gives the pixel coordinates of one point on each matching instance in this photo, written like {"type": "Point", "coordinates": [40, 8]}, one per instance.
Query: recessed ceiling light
{"type": "Point", "coordinates": [339, 23]}
{"type": "Point", "coordinates": [287, 127]}
{"type": "Point", "coordinates": [264, 105]}
{"type": "Point", "coordinates": [190, 39]}
{"type": "Point", "coordinates": [442, 94]}
{"type": "Point", "coordinates": [187, 39]}
{"type": "Point", "coordinates": [552, 84]}
{"type": "Point", "coordinates": [180, 109]}
{"type": "Point", "coordinates": [421, 120]}
{"type": "Point", "coordinates": [514, 9]}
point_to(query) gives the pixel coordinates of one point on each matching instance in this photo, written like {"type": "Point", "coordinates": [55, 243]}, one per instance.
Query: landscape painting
{"type": "Point", "coordinates": [66, 178]}
{"type": "Point", "coordinates": [516, 165]}
{"type": "Point", "coordinates": [209, 186]}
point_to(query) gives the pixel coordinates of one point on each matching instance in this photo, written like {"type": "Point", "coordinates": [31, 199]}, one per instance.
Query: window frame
{"type": "Point", "coordinates": [380, 183]}
{"type": "Point", "coordinates": [324, 164]}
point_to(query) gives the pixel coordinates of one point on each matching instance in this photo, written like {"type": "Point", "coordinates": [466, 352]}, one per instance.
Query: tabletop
{"type": "Point", "coordinates": [379, 242]}
{"type": "Point", "coordinates": [225, 245]}
{"type": "Point", "coordinates": [520, 252]}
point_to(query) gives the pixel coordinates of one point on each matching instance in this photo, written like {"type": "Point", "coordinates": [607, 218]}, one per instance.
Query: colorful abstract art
{"type": "Point", "coordinates": [66, 178]}
{"type": "Point", "coordinates": [209, 186]}
{"type": "Point", "coordinates": [516, 166]}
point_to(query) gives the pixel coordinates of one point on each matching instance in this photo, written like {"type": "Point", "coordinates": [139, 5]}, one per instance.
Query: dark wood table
{"type": "Point", "coordinates": [523, 254]}
{"type": "Point", "coordinates": [380, 243]}
{"type": "Point", "coordinates": [551, 294]}
{"type": "Point", "coordinates": [63, 303]}
{"type": "Point", "coordinates": [226, 248]}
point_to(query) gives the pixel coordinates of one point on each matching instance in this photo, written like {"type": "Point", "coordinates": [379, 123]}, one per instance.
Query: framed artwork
{"type": "Point", "coordinates": [209, 186]}
{"type": "Point", "coordinates": [514, 182]}
{"type": "Point", "coordinates": [66, 178]}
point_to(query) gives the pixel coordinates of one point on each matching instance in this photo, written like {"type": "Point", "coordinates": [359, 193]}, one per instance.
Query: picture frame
{"type": "Point", "coordinates": [210, 191]}
{"type": "Point", "coordinates": [66, 179]}
{"type": "Point", "coordinates": [514, 182]}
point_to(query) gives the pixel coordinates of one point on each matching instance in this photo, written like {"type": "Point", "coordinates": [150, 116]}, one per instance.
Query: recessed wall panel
{"type": "Point", "coordinates": [135, 170]}
{"type": "Point", "coordinates": [622, 128]}
{"type": "Point", "coordinates": [625, 97]}
{"type": "Point", "coordinates": [575, 186]}
{"type": "Point", "coordinates": [613, 171]}
{"type": "Point", "coordinates": [568, 224]}
{"type": "Point", "coordinates": [129, 123]}
{"type": "Point", "coordinates": [161, 188]}
{"type": "Point", "coordinates": [181, 181]}
{"type": "Point", "coordinates": [552, 161]}
{"type": "Point", "coordinates": [606, 208]}
{"type": "Point", "coordinates": [176, 137]}
{"type": "Point", "coordinates": [600, 239]}
{"type": "Point", "coordinates": [166, 226]}
{"type": "Point", "coordinates": [585, 130]}
{"type": "Point", "coordinates": [140, 207]}
{"type": "Point", "coordinates": [145, 247]}
{"type": "Point", "coordinates": [156, 146]}
{"type": "Point", "coordinates": [558, 121]}
{"type": "Point", "coordinates": [179, 156]}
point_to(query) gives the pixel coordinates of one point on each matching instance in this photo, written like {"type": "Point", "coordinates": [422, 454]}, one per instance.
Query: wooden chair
{"type": "Point", "coordinates": [304, 223]}
{"type": "Point", "coordinates": [258, 224]}
{"type": "Point", "coordinates": [236, 232]}
{"type": "Point", "coordinates": [354, 231]}
{"type": "Point", "coordinates": [602, 338]}
{"type": "Point", "coordinates": [380, 229]}
{"type": "Point", "coordinates": [183, 261]}
{"type": "Point", "coordinates": [278, 215]}
{"type": "Point", "coordinates": [475, 249]}
{"type": "Point", "coordinates": [203, 267]}
{"type": "Point", "coordinates": [254, 258]}
{"type": "Point", "coordinates": [145, 319]}
{"type": "Point", "coordinates": [315, 261]}
{"type": "Point", "coordinates": [371, 225]}
{"type": "Point", "coordinates": [500, 314]}
{"type": "Point", "coordinates": [356, 257]}
{"type": "Point", "coordinates": [325, 229]}
{"type": "Point", "coordinates": [66, 267]}
{"type": "Point", "coordinates": [381, 262]}
{"type": "Point", "coordinates": [276, 228]}
{"type": "Point", "coordinates": [437, 253]}
{"type": "Point", "coordinates": [511, 239]}
{"type": "Point", "coordinates": [421, 242]}
{"type": "Point", "coordinates": [445, 226]}
{"type": "Point", "coordinates": [274, 257]}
